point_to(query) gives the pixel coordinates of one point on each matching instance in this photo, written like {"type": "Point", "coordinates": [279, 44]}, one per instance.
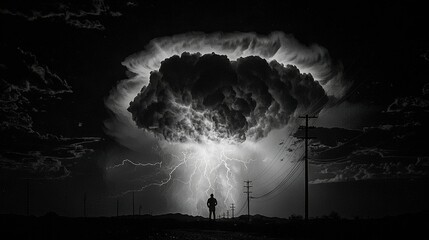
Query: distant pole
{"type": "Point", "coordinates": [140, 209]}
{"type": "Point", "coordinates": [248, 197]}
{"type": "Point", "coordinates": [133, 203]}
{"type": "Point", "coordinates": [306, 137]}
{"type": "Point", "coordinates": [227, 213]}
{"type": "Point", "coordinates": [223, 214]}
{"type": "Point", "coordinates": [28, 197]}
{"type": "Point", "coordinates": [117, 207]}
{"type": "Point", "coordinates": [65, 204]}
{"type": "Point", "coordinates": [84, 205]}
{"type": "Point", "coordinates": [232, 210]}
{"type": "Point", "coordinates": [65, 201]}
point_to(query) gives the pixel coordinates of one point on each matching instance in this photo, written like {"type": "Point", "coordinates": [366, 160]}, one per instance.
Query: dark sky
{"type": "Point", "coordinates": [60, 60]}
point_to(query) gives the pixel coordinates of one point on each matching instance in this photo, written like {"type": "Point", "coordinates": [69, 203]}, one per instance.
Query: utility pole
{"type": "Point", "coordinates": [28, 197]}
{"type": "Point", "coordinates": [117, 207]}
{"type": "Point", "coordinates": [232, 210]}
{"type": "Point", "coordinates": [306, 137]}
{"type": "Point", "coordinates": [133, 203]}
{"type": "Point", "coordinates": [248, 197]}
{"type": "Point", "coordinates": [66, 199]}
{"type": "Point", "coordinates": [84, 205]}
{"type": "Point", "coordinates": [227, 213]}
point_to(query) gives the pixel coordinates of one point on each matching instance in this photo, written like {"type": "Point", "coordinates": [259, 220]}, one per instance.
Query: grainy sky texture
{"type": "Point", "coordinates": [176, 101]}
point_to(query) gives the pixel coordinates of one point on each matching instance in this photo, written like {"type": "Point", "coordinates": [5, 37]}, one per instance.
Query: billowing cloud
{"type": "Point", "coordinates": [366, 166]}
{"type": "Point", "coordinates": [393, 149]}
{"type": "Point", "coordinates": [28, 87]}
{"type": "Point", "coordinates": [276, 47]}
{"type": "Point", "coordinates": [409, 104]}
{"type": "Point", "coordinates": [20, 81]}
{"type": "Point", "coordinates": [74, 15]}
{"type": "Point", "coordinates": [203, 93]}
{"type": "Point", "coordinates": [209, 97]}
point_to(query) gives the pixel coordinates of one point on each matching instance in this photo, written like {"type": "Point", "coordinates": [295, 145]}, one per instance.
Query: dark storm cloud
{"type": "Point", "coordinates": [27, 88]}
{"type": "Point", "coordinates": [425, 55]}
{"type": "Point", "coordinates": [22, 79]}
{"type": "Point", "coordinates": [34, 165]}
{"type": "Point", "coordinates": [80, 16]}
{"type": "Point", "coordinates": [359, 168]}
{"type": "Point", "coordinates": [44, 79]}
{"type": "Point", "coordinates": [425, 89]}
{"type": "Point", "coordinates": [194, 97]}
{"type": "Point", "coordinates": [87, 24]}
{"type": "Point", "coordinates": [42, 156]}
{"type": "Point", "coordinates": [393, 149]}
{"type": "Point", "coordinates": [410, 104]}
{"type": "Point", "coordinates": [132, 4]}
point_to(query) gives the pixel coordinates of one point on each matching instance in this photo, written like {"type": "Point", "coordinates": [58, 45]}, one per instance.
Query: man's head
{"type": "Point", "coordinates": [211, 195]}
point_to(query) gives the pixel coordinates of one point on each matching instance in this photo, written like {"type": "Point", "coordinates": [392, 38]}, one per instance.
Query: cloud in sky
{"type": "Point", "coordinates": [209, 97]}
{"type": "Point", "coordinates": [27, 87]}
{"type": "Point", "coordinates": [279, 47]}
{"type": "Point", "coordinates": [244, 87]}
{"type": "Point", "coordinates": [391, 150]}
{"type": "Point", "coordinates": [79, 17]}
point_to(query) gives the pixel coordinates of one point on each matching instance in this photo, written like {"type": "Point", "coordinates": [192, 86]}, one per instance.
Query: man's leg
{"type": "Point", "coordinates": [214, 214]}
{"type": "Point", "coordinates": [210, 214]}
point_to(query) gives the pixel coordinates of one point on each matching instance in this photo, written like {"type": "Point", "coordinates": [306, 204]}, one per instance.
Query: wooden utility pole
{"type": "Point", "coordinates": [247, 186]}
{"type": "Point", "coordinates": [117, 207]}
{"type": "Point", "coordinates": [133, 203]}
{"type": "Point", "coordinates": [306, 138]}
{"type": "Point", "coordinates": [84, 205]}
{"type": "Point", "coordinates": [28, 197]}
{"type": "Point", "coordinates": [232, 210]}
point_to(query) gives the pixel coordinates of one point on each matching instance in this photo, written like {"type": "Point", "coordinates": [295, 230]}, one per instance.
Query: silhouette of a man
{"type": "Point", "coordinates": [211, 204]}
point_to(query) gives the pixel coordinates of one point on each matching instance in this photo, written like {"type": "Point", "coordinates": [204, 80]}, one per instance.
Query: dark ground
{"type": "Point", "coordinates": [177, 226]}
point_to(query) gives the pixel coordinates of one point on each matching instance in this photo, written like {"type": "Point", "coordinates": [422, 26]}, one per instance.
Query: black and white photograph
{"type": "Point", "coordinates": [214, 119]}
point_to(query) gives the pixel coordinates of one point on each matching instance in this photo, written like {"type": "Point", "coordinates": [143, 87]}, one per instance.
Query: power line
{"type": "Point", "coordinates": [279, 169]}
{"type": "Point", "coordinates": [241, 209]}
{"type": "Point", "coordinates": [288, 185]}
{"type": "Point", "coordinates": [287, 142]}
{"type": "Point", "coordinates": [285, 179]}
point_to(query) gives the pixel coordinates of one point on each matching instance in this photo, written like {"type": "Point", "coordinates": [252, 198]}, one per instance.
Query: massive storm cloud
{"type": "Point", "coordinates": [196, 97]}
{"type": "Point", "coordinates": [209, 111]}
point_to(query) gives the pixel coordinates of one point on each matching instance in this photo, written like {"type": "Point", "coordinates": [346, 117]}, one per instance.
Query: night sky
{"type": "Point", "coordinates": [67, 66]}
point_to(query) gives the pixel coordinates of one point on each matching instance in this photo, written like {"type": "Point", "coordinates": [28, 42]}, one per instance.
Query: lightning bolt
{"type": "Point", "coordinates": [201, 169]}
{"type": "Point", "coordinates": [133, 163]}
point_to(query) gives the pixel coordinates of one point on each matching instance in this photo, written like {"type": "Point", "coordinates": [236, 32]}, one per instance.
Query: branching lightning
{"type": "Point", "coordinates": [211, 168]}
{"type": "Point", "coordinates": [125, 161]}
